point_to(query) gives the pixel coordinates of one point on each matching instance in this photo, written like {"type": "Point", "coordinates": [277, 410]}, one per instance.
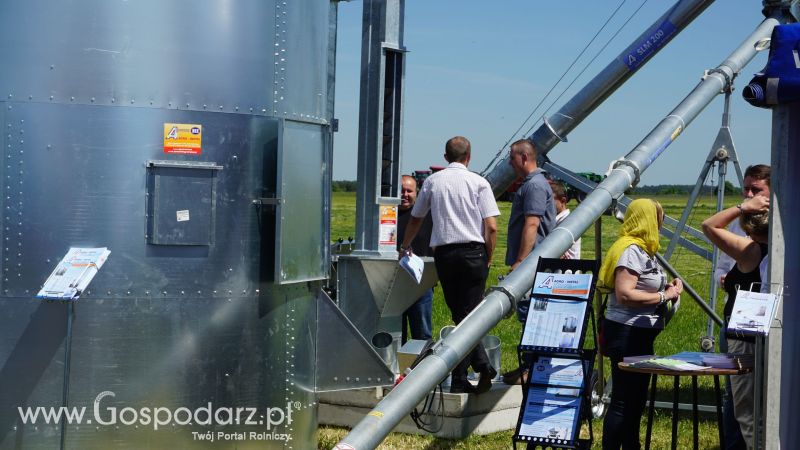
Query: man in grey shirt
{"type": "Point", "coordinates": [533, 217]}
{"type": "Point", "coordinates": [533, 213]}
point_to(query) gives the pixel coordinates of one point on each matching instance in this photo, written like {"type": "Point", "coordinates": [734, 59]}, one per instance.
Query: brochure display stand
{"type": "Point", "coordinates": [752, 314]}
{"type": "Point", "coordinates": [556, 395]}
{"type": "Point", "coordinates": [73, 273]}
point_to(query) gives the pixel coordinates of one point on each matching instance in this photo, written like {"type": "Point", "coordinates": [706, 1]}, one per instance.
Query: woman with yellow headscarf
{"type": "Point", "coordinates": [638, 294]}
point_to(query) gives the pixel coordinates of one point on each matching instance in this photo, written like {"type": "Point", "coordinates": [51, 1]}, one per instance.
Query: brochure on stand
{"type": "Point", "coordinates": [554, 323]}
{"type": "Point", "coordinates": [73, 273]}
{"type": "Point", "coordinates": [550, 414]}
{"type": "Point", "coordinates": [563, 372]}
{"type": "Point", "coordinates": [556, 394]}
{"type": "Point", "coordinates": [576, 285]}
{"type": "Point", "coordinates": [753, 313]}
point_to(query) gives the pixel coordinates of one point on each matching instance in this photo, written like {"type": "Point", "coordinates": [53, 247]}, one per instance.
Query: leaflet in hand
{"type": "Point", "coordinates": [752, 313]}
{"type": "Point", "coordinates": [414, 265]}
{"type": "Point", "coordinates": [74, 273]}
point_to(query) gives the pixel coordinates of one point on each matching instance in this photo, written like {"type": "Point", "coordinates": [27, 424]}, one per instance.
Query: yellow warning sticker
{"type": "Point", "coordinates": [676, 133]}
{"type": "Point", "coordinates": [183, 138]}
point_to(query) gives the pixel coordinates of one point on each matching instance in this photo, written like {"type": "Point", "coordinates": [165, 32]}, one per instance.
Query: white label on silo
{"type": "Point", "coordinates": [183, 215]}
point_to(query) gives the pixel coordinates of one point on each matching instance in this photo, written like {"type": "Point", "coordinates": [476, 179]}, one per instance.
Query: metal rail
{"type": "Point", "coordinates": [404, 397]}
{"type": "Point", "coordinates": [556, 127]}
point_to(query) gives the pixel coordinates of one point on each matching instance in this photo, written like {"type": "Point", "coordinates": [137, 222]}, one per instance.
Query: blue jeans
{"type": "Point", "coordinates": [418, 317]}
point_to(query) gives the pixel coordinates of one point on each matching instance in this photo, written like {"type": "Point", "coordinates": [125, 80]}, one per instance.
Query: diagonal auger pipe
{"type": "Point", "coordinates": [559, 125]}
{"type": "Point", "coordinates": [378, 423]}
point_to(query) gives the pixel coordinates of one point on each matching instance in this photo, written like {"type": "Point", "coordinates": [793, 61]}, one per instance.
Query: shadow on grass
{"type": "Point", "coordinates": [441, 444]}
{"type": "Point", "coordinates": [705, 393]}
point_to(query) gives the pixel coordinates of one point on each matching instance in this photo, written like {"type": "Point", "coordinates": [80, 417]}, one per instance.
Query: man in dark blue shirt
{"type": "Point", "coordinates": [418, 315]}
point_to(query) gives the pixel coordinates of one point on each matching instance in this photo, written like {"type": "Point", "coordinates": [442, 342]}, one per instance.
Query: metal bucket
{"type": "Point", "coordinates": [492, 346]}
{"type": "Point", "coordinates": [387, 346]}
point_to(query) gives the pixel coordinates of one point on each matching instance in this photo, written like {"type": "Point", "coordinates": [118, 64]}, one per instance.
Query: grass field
{"type": "Point", "coordinates": [683, 333]}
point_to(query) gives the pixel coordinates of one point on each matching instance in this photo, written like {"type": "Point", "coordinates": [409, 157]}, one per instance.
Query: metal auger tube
{"type": "Point", "coordinates": [374, 427]}
{"type": "Point", "coordinates": [569, 116]}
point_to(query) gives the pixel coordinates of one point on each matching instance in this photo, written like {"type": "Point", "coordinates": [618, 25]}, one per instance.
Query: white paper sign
{"type": "Point", "coordinates": [73, 273]}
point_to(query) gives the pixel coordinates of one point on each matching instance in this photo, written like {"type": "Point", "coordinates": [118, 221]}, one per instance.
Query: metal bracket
{"type": "Point", "coordinates": [183, 164]}
{"type": "Point", "coordinates": [728, 87]}
{"type": "Point", "coordinates": [782, 7]}
{"type": "Point", "coordinates": [552, 130]}
{"type": "Point", "coordinates": [267, 201]}
{"type": "Point", "coordinates": [627, 162]}
{"type": "Point", "coordinates": [510, 298]}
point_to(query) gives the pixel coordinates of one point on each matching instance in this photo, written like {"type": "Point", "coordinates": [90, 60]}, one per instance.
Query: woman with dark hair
{"type": "Point", "coordinates": [639, 297]}
{"type": "Point", "coordinates": [748, 252]}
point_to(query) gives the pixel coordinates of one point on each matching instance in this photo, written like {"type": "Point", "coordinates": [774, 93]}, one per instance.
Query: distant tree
{"type": "Point", "coordinates": [730, 189]}
{"type": "Point", "coordinates": [344, 186]}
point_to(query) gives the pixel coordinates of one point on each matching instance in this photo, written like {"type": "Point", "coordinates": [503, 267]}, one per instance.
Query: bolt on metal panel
{"type": "Point", "coordinates": [89, 188]}
{"type": "Point", "coordinates": [301, 61]}
{"type": "Point", "coordinates": [302, 228]}
{"type": "Point", "coordinates": [191, 314]}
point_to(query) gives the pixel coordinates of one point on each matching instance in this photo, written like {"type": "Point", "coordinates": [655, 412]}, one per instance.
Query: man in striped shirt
{"type": "Point", "coordinates": [463, 209]}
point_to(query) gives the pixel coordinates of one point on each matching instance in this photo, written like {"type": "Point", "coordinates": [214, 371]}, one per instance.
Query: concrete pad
{"type": "Point", "coordinates": [464, 414]}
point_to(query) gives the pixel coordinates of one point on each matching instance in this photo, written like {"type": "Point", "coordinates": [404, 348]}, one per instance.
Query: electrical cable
{"type": "Point", "coordinates": [427, 405]}
{"type": "Point", "coordinates": [536, 108]}
{"type": "Point", "coordinates": [619, 30]}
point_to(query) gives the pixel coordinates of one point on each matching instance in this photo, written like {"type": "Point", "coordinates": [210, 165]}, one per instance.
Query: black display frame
{"type": "Point", "coordinates": [527, 355]}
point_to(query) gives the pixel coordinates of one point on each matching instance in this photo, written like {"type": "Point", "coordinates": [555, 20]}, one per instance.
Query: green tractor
{"type": "Point", "coordinates": [577, 194]}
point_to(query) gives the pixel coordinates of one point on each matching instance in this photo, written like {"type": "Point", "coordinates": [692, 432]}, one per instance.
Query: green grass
{"type": "Point", "coordinates": [682, 334]}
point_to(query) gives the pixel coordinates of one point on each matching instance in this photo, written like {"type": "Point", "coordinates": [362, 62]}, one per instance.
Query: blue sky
{"type": "Point", "coordinates": [478, 69]}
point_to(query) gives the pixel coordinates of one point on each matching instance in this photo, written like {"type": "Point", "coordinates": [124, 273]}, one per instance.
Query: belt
{"type": "Point", "coordinates": [461, 245]}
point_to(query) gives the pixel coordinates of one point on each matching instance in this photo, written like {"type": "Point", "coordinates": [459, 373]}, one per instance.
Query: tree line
{"type": "Point", "coordinates": [660, 189]}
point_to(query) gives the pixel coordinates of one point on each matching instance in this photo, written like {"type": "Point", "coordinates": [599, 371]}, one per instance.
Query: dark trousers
{"type": "Point", "coordinates": [462, 270]}
{"type": "Point", "coordinates": [628, 389]}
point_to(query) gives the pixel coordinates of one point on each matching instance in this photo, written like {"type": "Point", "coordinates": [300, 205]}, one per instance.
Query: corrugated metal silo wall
{"type": "Point", "coordinates": [205, 307]}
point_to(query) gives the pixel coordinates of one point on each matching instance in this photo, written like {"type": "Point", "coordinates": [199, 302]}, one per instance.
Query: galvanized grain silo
{"type": "Point", "coordinates": [193, 139]}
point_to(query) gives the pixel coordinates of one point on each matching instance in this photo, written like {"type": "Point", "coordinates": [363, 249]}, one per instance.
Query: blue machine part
{"type": "Point", "coordinates": [642, 50]}
{"type": "Point", "coordinates": [779, 81]}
